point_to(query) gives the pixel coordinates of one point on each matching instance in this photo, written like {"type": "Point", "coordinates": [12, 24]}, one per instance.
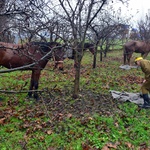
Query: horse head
{"type": "Point", "coordinates": [90, 46]}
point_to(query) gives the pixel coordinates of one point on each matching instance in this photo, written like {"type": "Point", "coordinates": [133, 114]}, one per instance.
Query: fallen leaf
{"type": "Point", "coordinates": [2, 120]}
{"type": "Point", "coordinates": [49, 132]}
{"type": "Point", "coordinates": [69, 116]}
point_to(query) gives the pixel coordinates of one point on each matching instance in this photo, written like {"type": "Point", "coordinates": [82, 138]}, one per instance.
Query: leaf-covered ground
{"type": "Point", "coordinates": [58, 107]}
{"type": "Point", "coordinates": [56, 102]}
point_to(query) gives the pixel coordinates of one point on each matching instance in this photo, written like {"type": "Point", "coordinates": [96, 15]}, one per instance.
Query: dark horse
{"type": "Point", "coordinates": [137, 47]}
{"type": "Point", "coordinates": [87, 46]}
{"type": "Point", "coordinates": [36, 53]}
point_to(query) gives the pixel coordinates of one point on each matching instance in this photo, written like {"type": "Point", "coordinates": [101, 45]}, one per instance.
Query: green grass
{"type": "Point", "coordinates": [71, 133]}
{"type": "Point", "coordinates": [24, 126]}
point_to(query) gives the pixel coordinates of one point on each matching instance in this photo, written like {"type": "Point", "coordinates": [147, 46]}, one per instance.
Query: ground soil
{"type": "Point", "coordinates": [86, 105]}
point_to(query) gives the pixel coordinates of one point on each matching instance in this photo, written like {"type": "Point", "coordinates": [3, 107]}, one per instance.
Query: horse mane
{"type": "Point", "coordinates": [54, 43]}
{"type": "Point", "coordinates": [46, 46]}
{"type": "Point", "coordinates": [88, 45]}
{"type": "Point", "coordinates": [42, 46]}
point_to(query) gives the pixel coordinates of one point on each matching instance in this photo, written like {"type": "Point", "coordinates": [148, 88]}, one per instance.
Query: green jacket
{"type": "Point", "coordinates": [145, 66]}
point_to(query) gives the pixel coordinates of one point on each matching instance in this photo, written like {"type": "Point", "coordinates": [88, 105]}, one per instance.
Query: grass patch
{"type": "Point", "coordinates": [93, 121]}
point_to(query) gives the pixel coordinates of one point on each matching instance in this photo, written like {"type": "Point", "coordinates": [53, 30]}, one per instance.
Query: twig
{"type": "Point", "coordinates": [23, 91]}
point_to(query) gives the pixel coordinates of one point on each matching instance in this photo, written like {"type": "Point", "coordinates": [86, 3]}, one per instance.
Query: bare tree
{"type": "Point", "coordinates": [144, 28]}
{"type": "Point", "coordinates": [64, 20]}
{"type": "Point", "coordinates": [5, 35]}
{"type": "Point", "coordinates": [80, 15]}
{"type": "Point", "coordinates": [27, 19]}
{"type": "Point", "coordinates": [106, 31]}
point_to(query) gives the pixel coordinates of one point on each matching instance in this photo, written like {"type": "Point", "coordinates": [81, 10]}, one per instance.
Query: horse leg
{"type": "Point", "coordinates": [31, 86]}
{"type": "Point", "coordinates": [129, 58]}
{"type": "Point", "coordinates": [144, 55]}
{"type": "Point", "coordinates": [36, 77]}
{"type": "Point", "coordinates": [125, 57]}
{"type": "Point", "coordinates": [34, 83]}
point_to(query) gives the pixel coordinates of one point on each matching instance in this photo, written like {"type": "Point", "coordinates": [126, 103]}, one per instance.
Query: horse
{"type": "Point", "coordinates": [36, 53]}
{"type": "Point", "coordinates": [137, 47]}
{"type": "Point", "coordinates": [70, 53]}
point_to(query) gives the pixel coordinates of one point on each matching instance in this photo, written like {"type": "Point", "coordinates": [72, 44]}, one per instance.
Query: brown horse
{"type": "Point", "coordinates": [36, 53]}
{"type": "Point", "coordinates": [137, 47]}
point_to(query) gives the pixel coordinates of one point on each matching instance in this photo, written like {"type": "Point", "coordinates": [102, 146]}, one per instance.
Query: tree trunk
{"type": "Point", "coordinates": [77, 82]}
{"type": "Point", "coordinates": [77, 66]}
{"type": "Point", "coordinates": [101, 56]}
{"type": "Point", "coordinates": [95, 56]}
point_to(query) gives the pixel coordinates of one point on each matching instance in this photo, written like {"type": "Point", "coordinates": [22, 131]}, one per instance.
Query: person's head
{"type": "Point", "coordinates": [137, 60]}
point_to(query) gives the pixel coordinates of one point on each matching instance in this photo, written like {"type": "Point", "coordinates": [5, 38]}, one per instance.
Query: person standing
{"type": "Point", "coordinates": [145, 88]}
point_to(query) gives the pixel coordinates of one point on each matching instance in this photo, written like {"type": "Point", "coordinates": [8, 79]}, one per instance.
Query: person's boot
{"type": "Point", "coordinates": [146, 101]}
{"type": "Point", "coordinates": [141, 95]}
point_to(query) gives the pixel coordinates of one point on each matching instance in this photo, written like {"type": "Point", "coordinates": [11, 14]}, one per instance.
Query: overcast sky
{"type": "Point", "coordinates": [136, 8]}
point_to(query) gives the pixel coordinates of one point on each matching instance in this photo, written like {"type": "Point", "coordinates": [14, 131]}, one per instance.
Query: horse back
{"type": "Point", "coordinates": [142, 47]}
{"type": "Point", "coordinates": [14, 55]}
{"type": "Point", "coordinates": [136, 46]}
